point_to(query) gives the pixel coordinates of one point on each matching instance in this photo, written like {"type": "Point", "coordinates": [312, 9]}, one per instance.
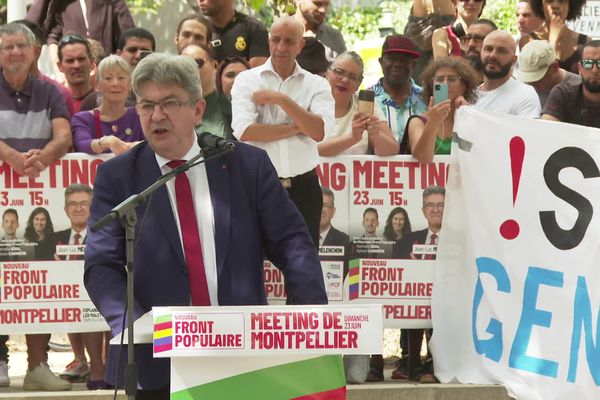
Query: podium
{"type": "Point", "coordinates": [260, 352]}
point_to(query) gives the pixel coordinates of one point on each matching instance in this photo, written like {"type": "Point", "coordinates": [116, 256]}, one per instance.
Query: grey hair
{"type": "Point", "coordinates": [162, 68]}
{"type": "Point", "coordinates": [328, 192]}
{"type": "Point", "coordinates": [353, 56]}
{"type": "Point", "coordinates": [429, 190]}
{"type": "Point", "coordinates": [76, 188]}
{"type": "Point", "coordinates": [15, 28]}
{"type": "Point", "coordinates": [111, 62]}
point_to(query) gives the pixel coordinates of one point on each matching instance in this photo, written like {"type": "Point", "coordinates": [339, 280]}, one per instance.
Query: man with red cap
{"type": "Point", "coordinates": [396, 93]}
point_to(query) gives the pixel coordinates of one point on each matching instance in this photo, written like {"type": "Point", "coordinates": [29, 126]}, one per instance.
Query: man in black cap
{"type": "Point", "coordinates": [396, 93]}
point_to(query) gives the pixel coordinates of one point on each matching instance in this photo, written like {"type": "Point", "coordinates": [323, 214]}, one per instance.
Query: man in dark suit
{"type": "Point", "coordinates": [328, 235]}
{"type": "Point", "coordinates": [433, 210]}
{"type": "Point", "coordinates": [78, 198]}
{"type": "Point", "coordinates": [411, 247]}
{"type": "Point", "coordinates": [240, 214]}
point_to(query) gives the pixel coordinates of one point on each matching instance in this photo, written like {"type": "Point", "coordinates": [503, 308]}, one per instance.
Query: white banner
{"type": "Point", "coordinates": [41, 274]}
{"type": "Point", "coordinates": [517, 286]}
{"type": "Point", "coordinates": [46, 296]}
{"type": "Point", "coordinates": [262, 330]}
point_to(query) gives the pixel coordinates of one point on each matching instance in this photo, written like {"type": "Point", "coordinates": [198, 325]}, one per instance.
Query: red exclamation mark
{"type": "Point", "coordinates": [510, 228]}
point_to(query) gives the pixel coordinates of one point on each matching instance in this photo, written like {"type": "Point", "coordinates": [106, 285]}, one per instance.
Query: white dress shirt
{"type": "Point", "coordinates": [204, 216]}
{"type": "Point", "coordinates": [294, 155]}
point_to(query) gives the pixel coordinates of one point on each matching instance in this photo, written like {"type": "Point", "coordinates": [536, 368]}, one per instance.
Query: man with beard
{"type": "Point", "coordinates": [578, 103]}
{"type": "Point", "coordinates": [396, 94]}
{"type": "Point", "coordinates": [474, 42]}
{"type": "Point", "coordinates": [193, 29]}
{"type": "Point", "coordinates": [499, 92]}
{"type": "Point", "coordinates": [234, 33]}
{"type": "Point", "coordinates": [311, 14]}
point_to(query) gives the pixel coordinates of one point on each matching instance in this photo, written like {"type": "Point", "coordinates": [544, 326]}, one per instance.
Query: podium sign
{"type": "Point", "coordinates": [226, 331]}
{"type": "Point", "coordinates": [271, 352]}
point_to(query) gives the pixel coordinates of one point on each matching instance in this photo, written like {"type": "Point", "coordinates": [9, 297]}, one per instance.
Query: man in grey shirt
{"type": "Point", "coordinates": [538, 67]}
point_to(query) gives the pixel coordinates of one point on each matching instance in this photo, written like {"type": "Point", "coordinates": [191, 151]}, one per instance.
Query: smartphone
{"type": "Point", "coordinates": [366, 101]}
{"type": "Point", "coordinates": [440, 92]}
{"type": "Point", "coordinates": [458, 30]}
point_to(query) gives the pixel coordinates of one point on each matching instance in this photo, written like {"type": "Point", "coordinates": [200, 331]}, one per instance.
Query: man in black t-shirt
{"type": "Point", "coordinates": [578, 103]}
{"type": "Point", "coordinates": [234, 33]}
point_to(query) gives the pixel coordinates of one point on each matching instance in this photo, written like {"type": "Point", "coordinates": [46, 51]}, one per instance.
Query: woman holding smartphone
{"type": "Point", "coordinates": [360, 128]}
{"type": "Point", "coordinates": [431, 133]}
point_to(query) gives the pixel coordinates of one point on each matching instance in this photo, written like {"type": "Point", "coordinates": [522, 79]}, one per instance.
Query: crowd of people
{"type": "Point", "coordinates": [292, 90]}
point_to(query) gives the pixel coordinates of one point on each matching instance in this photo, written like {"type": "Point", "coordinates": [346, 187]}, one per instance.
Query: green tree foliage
{"type": "Point", "coordinates": [358, 23]}
{"type": "Point", "coordinates": [503, 13]}
{"type": "Point", "coordinates": [144, 6]}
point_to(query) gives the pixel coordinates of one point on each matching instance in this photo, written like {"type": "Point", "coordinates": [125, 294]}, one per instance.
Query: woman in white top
{"type": "Point", "coordinates": [354, 132]}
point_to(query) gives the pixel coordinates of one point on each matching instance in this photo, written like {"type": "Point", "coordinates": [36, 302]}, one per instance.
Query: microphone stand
{"type": "Point", "coordinates": [125, 213]}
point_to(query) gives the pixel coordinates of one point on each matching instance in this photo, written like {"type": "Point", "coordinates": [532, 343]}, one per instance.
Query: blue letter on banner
{"type": "Point", "coordinates": [532, 316]}
{"type": "Point", "coordinates": [492, 347]}
{"type": "Point", "coordinates": [582, 317]}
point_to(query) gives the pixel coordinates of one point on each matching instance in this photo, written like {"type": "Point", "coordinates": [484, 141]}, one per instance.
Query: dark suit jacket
{"type": "Point", "coordinates": [254, 218]}
{"type": "Point", "coordinates": [62, 237]}
{"type": "Point", "coordinates": [338, 238]}
{"type": "Point", "coordinates": [403, 247]}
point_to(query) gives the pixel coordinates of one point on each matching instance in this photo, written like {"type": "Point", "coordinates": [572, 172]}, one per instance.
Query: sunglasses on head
{"type": "Point", "coordinates": [70, 39]}
{"type": "Point", "coordinates": [466, 1]}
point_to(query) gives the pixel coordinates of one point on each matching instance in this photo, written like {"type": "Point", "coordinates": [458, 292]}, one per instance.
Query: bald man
{"type": "Point", "coordinates": [286, 110]}
{"type": "Point", "coordinates": [499, 92]}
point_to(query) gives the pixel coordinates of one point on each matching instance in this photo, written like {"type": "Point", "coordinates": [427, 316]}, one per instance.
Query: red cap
{"type": "Point", "coordinates": [400, 44]}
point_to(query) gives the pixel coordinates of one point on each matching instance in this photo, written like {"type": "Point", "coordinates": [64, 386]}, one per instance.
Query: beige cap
{"type": "Point", "coordinates": [534, 59]}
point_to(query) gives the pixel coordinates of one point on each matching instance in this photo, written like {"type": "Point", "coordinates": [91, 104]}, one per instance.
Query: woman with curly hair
{"type": "Point", "coordinates": [40, 230]}
{"type": "Point", "coordinates": [431, 133]}
{"type": "Point", "coordinates": [397, 224]}
{"type": "Point", "coordinates": [568, 44]}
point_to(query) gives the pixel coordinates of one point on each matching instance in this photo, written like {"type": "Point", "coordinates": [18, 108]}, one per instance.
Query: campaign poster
{"type": "Point", "coordinates": [42, 244]}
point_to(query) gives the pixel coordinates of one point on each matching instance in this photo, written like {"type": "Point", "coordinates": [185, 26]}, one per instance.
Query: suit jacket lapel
{"type": "Point", "coordinates": [159, 203]}
{"type": "Point", "coordinates": [218, 182]}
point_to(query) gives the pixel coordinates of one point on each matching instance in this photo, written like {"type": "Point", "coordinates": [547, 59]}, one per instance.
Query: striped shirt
{"type": "Point", "coordinates": [26, 116]}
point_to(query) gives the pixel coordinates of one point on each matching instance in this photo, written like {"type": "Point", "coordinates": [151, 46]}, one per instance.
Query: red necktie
{"type": "Point", "coordinates": [432, 241]}
{"type": "Point", "coordinates": [191, 238]}
{"type": "Point", "coordinates": [76, 242]}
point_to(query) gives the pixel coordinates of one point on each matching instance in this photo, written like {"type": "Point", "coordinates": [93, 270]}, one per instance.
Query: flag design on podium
{"type": "Point", "coordinates": [318, 378]}
{"type": "Point", "coordinates": [163, 333]}
{"type": "Point", "coordinates": [354, 278]}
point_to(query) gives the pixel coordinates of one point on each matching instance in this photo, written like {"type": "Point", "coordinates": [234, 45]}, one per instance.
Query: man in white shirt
{"type": "Point", "coordinates": [500, 92]}
{"type": "Point", "coordinates": [286, 110]}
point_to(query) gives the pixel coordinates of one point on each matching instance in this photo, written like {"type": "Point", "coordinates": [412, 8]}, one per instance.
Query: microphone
{"type": "Point", "coordinates": [210, 143]}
